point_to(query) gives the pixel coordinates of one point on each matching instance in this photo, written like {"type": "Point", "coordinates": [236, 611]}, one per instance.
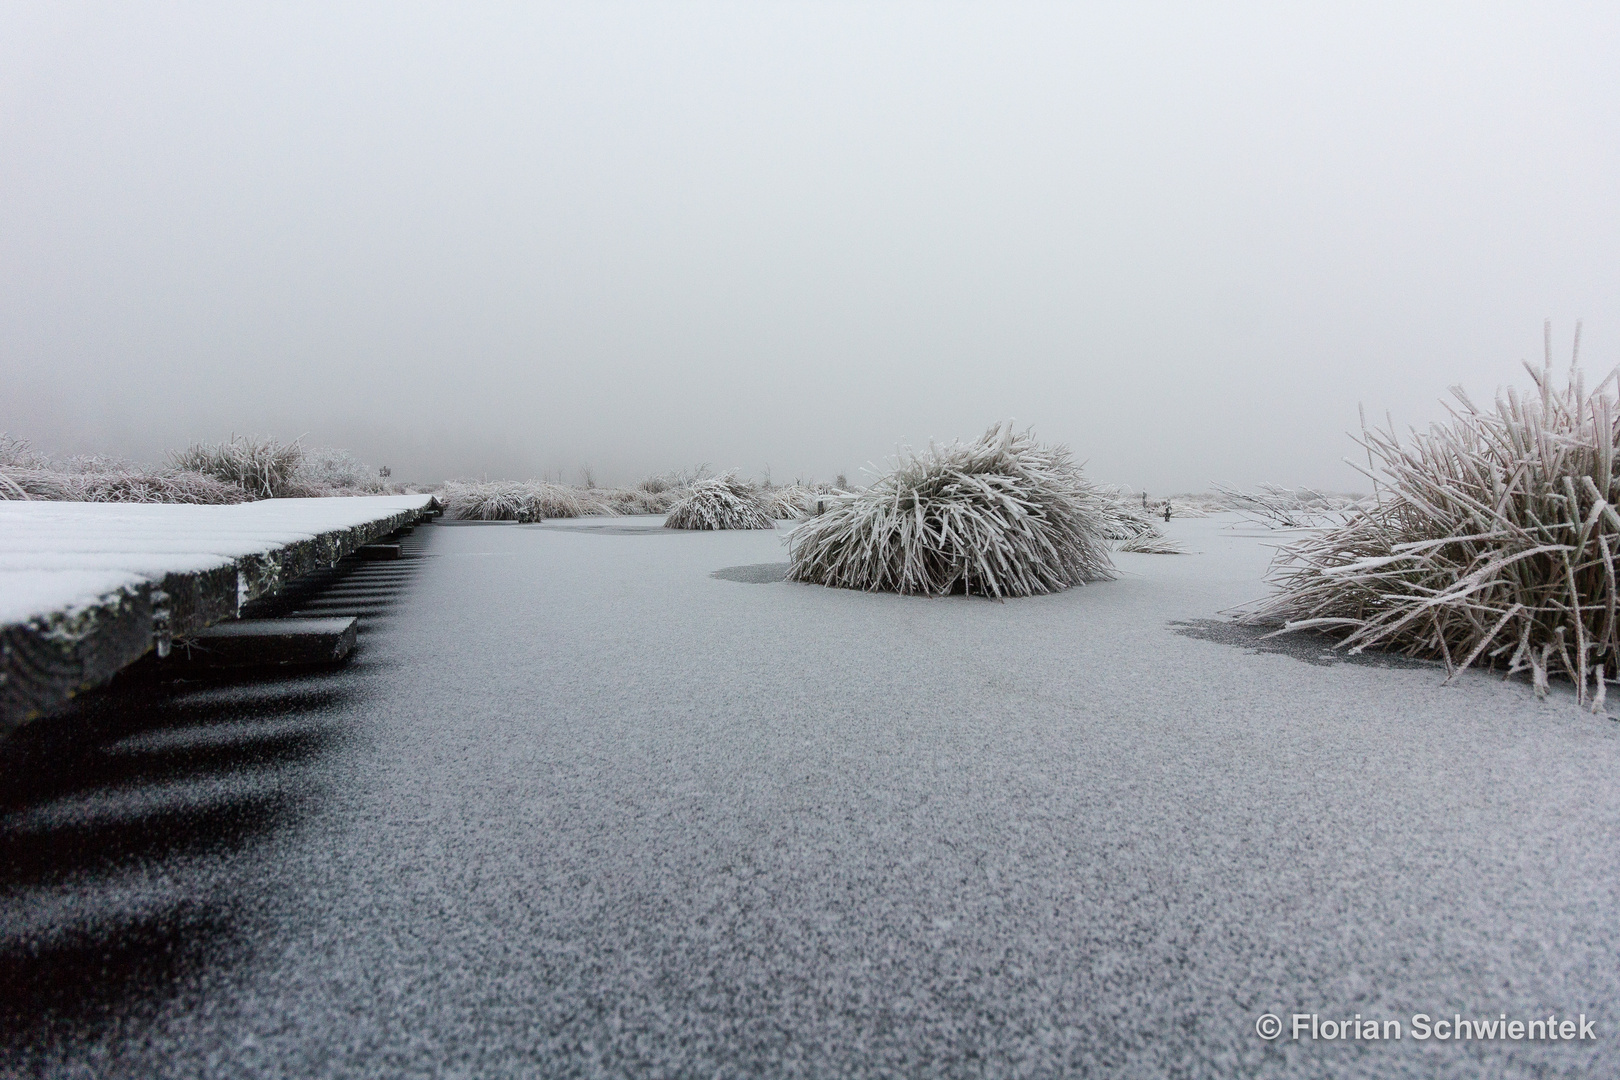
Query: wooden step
{"type": "Point", "coordinates": [266, 643]}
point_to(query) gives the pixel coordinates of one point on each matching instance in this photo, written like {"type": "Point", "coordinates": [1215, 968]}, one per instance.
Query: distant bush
{"type": "Point", "coordinates": [720, 502]}
{"type": "Point", "coordinates": [1001, 516]}
{"type": "Point", "coordinates": [1493, 539]}
{"type": "Point", "coordinates": [328, 468]}
{"type": "Point", "coordinates": [632, 500]}
{"type": "Point", "coordinates": [790, 501]}
{"type": "Point", "coordinates": [512, 500]}
{"type": "Point", "coordinates": [264, 468]}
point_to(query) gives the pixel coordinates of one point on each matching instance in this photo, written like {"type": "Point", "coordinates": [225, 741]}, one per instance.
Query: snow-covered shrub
{"type": "Point", "coordinates": [1493, 539]}
{"type": "Point", "coordinates": [264, 468]}
{"type": "Point", "coordinates": [1001, 516]}
{"type": "Point", "coordinates": [330, 469]}
{"type": "Point", "coordinates": [720, 502]}
{"type": "Point", "coordinates": [674, 479]}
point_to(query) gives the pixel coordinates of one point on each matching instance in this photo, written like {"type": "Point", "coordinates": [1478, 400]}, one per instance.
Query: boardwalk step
{"type": "Point", "coordinates": [267, 643]}
{"type": "Point", "coordinates": [377, 552]}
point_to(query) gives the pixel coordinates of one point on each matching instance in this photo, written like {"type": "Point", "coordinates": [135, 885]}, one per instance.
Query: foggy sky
{"type": "Point", "coordinates": [1184, 239]}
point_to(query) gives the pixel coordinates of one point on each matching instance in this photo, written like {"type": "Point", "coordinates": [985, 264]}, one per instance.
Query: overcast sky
{"type": "Point", "coordinates": [458, 239]}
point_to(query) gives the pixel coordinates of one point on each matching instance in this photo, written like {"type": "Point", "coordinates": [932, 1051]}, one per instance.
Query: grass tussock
{"type": "Point", "coordinates": [1001, 516]}
{"type": "Point", "coordinates": [1493, 540]}
{"type": "Point", "coordinates": [118, 485]}
{"type": "Point", "coordinates": [512, 500]}
{"type": "Point", "coordinates": [264, 468]}
{"type": "Point", "coordinates": [720, 502]}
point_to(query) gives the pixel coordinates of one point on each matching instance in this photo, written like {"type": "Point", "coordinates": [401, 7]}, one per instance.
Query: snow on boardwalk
{"type": "Point", "coordinates": [86, 588]}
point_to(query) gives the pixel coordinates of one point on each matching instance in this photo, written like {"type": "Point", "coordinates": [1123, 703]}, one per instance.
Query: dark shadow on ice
{"type": "Point", "coordinates": [84, 748]}
{"type": "Point", "coordinates": [754, 573]}
{"type": "Point", "coordinates": [89, 977]}
{"type": "Point", "coordinates": [145, 827]}
{"type": "Point", "coordinates": [1313, 648]}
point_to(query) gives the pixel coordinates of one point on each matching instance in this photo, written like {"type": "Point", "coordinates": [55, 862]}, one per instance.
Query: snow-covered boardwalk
{"type": "Point", "coordinates": [87, 588]}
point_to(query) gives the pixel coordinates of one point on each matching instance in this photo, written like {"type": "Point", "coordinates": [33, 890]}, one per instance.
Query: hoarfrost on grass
{"type": "Point", "coordinates": [720, 502]}
{"type": "Point", "coordinates": [264, 468]}
{"type": "Point", "coordinates": [510, 500]}
{"type": "Point", "coordinates": [1001, 516]}
{"type": "Point", "coordinates": [1291, 508]}
{"type": "Point", "coordinates": [1151, 542]}
{"type": "Point", "coordinates": [1492, 540]}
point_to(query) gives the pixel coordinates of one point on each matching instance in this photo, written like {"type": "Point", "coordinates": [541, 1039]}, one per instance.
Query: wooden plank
{"type": "Point", "coordinates": [263, 643]}
{"type": "Point", "coordinates": [377, 552]}
{"type": "Point", "coordinates": [48, 659]}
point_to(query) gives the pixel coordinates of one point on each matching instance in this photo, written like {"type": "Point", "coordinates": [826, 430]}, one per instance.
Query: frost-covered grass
{"type": "Point", "coordinates": [1151, 542]}
{"type": "Point", "coordinates": [240, 470]}
{"type": "Point", "coordinates": [791, 501]}
{"type": "Point", "coordinates": [512, 500]}
{"type": "Point", "coordinates": [634, 500]}
{"type": "Point", "coordinates": [536, 500]}
{"type": "Point", "coordinates": [330, 469]}
{"type": "Point", "coordinates": [118, 485]}
{"type": "Point", "coordinates": [1493, 540]}
{"type": "Point", "coordinates": [1291, 508]}
{"type": "Point", "coordinates": [1001, 516]}
{"type": "Point", "coordinates": [1124, 518]}
{"type": "Point", "coordinates": [264, 468]}
{"type": "Point", "coordinates": [720, 502]}
{"type": "Point", "coordinates": [28, 475]}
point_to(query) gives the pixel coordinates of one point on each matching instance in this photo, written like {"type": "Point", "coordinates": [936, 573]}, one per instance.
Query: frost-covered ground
{"type": "Point", "coordinates": [584, 808]}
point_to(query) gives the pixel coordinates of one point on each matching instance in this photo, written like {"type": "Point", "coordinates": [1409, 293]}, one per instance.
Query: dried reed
{"type": "Point", "coordinates": [264, 468]}
{"type": "Point", "coordinates": [1151, 542]}
{"type": "Point", "coordinates": [720, 502]}
{"type": "Point", "coordinates": [122, 485]}
{"type": "Point", "coordinates": [511, 500]}
{"type": "Point", "coordinates": [1493, 540]}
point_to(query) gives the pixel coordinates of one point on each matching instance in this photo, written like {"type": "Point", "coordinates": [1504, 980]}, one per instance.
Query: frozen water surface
{"type": "Point", "coordinates": [582, 808]}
